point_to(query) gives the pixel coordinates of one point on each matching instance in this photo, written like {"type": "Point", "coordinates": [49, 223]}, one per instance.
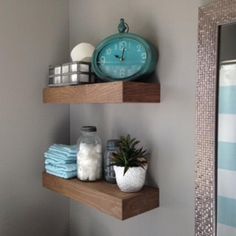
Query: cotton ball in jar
{"type": "Point", "coordinates": [85, 148]}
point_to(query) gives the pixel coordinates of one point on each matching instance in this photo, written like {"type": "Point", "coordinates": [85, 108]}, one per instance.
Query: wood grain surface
{"type": "Point", "coordinates": [105, 197]}
{"type": "Point", "coordinates": [111, 92]}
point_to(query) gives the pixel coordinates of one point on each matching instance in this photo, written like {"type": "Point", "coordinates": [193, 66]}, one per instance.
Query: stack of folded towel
{"type": "Point", "coordinates": [60, 160]}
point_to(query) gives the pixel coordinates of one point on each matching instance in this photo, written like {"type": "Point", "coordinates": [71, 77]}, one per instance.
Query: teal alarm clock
{"type": "Point", "coordinates": [124, 56]}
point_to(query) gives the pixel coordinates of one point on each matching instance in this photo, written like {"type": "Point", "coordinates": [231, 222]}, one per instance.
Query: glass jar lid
{"type": "Point", "coordinates": [113, 143]}
{"type": "Point", "coordinates": [89, 129]}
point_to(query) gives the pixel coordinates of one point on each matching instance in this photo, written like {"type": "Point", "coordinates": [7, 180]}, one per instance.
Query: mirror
{"type": "Point", "coordinates": [215, 189]}
{"type": "Point", "coordinates": [226, 141]}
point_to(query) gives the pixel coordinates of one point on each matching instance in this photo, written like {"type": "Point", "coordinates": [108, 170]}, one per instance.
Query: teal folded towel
{"type": "Point", "coordinates": [62, 154]}
{"type": "Point", "coordinates": [64, 149]}
{"type": "Point", "coordinates": [60, 160]}
{"type": "Point", "coordinates": [61, 167]}
{"type": "Point", "coordinates": [59, 156]}
{"type": "Point", "coordinates": [62, 174]}
{"type": "Point", "coordinates": [55, 161]}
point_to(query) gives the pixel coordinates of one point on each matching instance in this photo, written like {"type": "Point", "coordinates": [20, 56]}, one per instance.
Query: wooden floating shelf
{"type": "Point", "coordinates": [105, 197]}
{"type": "Point", "coordinates": [110, 92]}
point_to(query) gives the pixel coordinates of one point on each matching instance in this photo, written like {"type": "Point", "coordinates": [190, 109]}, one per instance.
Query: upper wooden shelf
{"type": "Point", "coordinates": [111, 92]}
{"type": "Point", "coordinates": [105, 197]}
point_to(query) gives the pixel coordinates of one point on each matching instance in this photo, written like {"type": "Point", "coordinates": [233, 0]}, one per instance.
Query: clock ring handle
{"type": "Point", "coordinates": [123, 27]}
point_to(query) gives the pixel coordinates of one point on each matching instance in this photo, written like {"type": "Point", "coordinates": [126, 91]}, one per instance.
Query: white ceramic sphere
{"type": "Point", "coordinates": [82, 51]}
{"type": "Point", "coordinates": [133, 180]}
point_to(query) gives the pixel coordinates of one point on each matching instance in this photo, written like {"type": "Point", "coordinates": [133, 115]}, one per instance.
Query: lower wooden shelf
{"type": "Point", "coordinates": [105, 197]}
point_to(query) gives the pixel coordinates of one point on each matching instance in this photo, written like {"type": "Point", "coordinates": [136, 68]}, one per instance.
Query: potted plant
{"type": "Point", "coordinates": [130, 165]}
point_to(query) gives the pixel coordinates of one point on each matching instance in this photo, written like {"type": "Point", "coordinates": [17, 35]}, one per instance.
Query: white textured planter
{"type": "Point", "coordinates": [132, 181]}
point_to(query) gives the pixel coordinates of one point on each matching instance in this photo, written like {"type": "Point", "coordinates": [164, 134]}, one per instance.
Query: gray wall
{"type": "Point", "coordinates": [167, 129]}
{"type": "Point", "coordinates": [33, 34]}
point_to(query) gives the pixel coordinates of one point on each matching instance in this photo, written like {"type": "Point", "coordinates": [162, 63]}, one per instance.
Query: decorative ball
{"type": "Point", "coordinates": [83, 51]}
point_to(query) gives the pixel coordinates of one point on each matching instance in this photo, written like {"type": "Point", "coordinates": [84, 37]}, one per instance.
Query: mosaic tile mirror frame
{"type": "Point", "coordinates": [215, 189]}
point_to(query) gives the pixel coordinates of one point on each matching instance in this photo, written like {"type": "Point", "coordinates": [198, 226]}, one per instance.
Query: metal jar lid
{"type": "Point", "coordinates": [113, 143]}
{"type": "Point", "coordinates": [89, 129]}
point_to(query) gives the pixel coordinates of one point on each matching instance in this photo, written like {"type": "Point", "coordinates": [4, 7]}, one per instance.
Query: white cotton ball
{"type": "Point", "coordinates": [84, 174]}
{"type": "Point", "coordinates": [84, 162]}
{"type": "Point", "coordinates": [92, 152]}
{"type": "Point", "coordinates": [85, 148]}
{"type": "Point", "coordinates": [98, 148]}
{"type": "Point", "coordinates": [82, 147]}
{"type": "Point", "coordinates": [92, 168]}
{"type": "Point", "coordinates": [94, 156]}
{"type": "Point", "coordinates": [81, 174]}
{"type": "Point", "coordinates": [92, 176]}
{"type": "Point", "coordinates": [89, 161]}
{"type": "Point", "coordinates": [82, 157]}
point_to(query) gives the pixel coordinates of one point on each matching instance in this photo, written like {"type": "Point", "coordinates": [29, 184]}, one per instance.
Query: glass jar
{"type": "Point", "coordinates": [89, 156]}
{"type": "Point", "coordinates": [112, 147]}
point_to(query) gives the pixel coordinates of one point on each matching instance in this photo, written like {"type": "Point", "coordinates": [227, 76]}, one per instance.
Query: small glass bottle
{"type": "Point", "coordinates": [89, 156]}
{"type": "Point", "coordinates": [112, 147]}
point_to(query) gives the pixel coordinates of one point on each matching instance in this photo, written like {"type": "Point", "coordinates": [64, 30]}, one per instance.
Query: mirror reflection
{"type": "Point", "coordinates": [226, 149]}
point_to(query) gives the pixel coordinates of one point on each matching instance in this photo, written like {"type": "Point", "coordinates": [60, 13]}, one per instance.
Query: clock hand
{"type": "Point", "coordinates": [122, 56]}
{"type": "Point", "coordinates": [123, 53]}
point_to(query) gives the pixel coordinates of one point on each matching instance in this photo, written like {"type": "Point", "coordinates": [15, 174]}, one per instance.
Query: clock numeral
{"type": "Point", "coordinates": [102, 60]}
{"type": "Point", "coordinates": [116, 47]}
{"type": "Point", "coordinates": [144, 56]}
{"type": "Point", "coordinates": [122, 44]}
{"type": "Point", "coordinates": [108, 51]}
{"type": "Point", "coordinates": [122, 73]}
{"type": "Point", "coordinates": [139, 47]}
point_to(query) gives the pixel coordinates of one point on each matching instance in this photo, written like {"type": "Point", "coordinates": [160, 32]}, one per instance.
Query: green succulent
{"type": "Point", "coordinates": [129, 155]}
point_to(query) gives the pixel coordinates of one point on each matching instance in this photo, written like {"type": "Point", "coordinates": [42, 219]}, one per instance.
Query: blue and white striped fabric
{"type": "Point", "coordinates": [226, 200]}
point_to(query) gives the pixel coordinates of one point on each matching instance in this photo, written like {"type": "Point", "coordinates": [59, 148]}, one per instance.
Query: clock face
{"type": "Point", "coordinates": [121, 58]}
